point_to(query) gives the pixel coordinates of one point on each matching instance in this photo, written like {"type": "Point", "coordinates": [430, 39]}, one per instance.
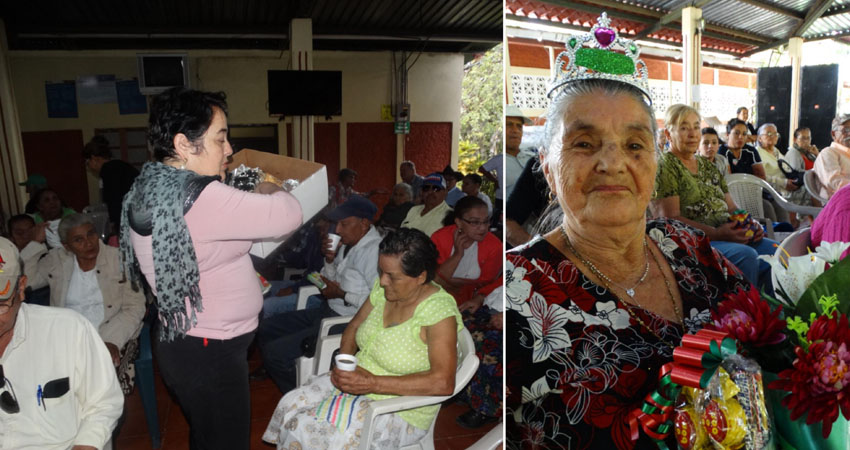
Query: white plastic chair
{"type": "Point", "coordinates": [491, 440]}
{"type": "Point", "coordinates": [812, 184]}
{"type": "Point", "coordinates": [467, 365]}
{"type": "Point", "coordinates": [746, 190]}
{"type": "Point", "coordinates": [797, 244]}
{"type": "Point", "coordinates": [304, 293]}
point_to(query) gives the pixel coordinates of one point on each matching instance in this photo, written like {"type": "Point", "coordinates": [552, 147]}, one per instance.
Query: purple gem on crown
{"type": "Point", "coordinates": [604, 36]}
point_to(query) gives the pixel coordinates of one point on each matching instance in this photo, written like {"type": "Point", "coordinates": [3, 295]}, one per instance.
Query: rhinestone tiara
{"type": "Point", "coordinates": [596, 56]}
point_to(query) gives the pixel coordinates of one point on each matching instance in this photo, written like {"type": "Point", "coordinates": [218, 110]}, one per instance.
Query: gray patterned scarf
{"type": "Point", "coordinates": [155, 205]}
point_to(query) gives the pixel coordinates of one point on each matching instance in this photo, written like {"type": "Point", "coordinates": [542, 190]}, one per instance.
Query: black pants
{"type": "Point", "coordinates": [210, 381]}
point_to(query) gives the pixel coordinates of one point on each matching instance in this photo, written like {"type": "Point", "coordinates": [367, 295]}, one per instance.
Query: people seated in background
{"type": "Point", "coordinates": [689, 188]}
{"type": "Point", "coordinates": [833, 163]}
{"type": "Point", "coordinates": [661, 143]}
{"type": "Point", "coordinates": [34, 183]}
{"type": "Point", "coordinates": [742, 157]}
{"type": "Point", "coordinates": [802, 154]}
{"type": "Point", "coordinates": [29, 239]}
{"type": "Point", "coordinates": [60, 389]}
{"type": "Point", "coordinates": [472, 188]}
{"type": "Point", "coordinates": [743, 114]}
{"type": "Point", "coordinates": [709, 143]}
{"type": "Point", "coordinates": [428, 217]}
{"type": "Point", "coordinates": [344, 188]}
{"type": "Point", "coordinates": [85, 275]}
{"type": "Point", "coordinates": [117, 177]}
{"type": "Point", "coordinates": [514, 159]}
{"type": "Point", "coordinates": [470, 255]}
{"type": "Point", "coordinates": [396, 210]}
{"type": "Point", "coordinates": [50, 209]}
{"type": "Point", "coordinates": [768, 136]}
{"type": "Point", "coordinates": [470, 268]}
{"type": "Point", "coordinates": [405, 340]}
{"type": "Point", "coordinates": [453, 193]}
{"type": "Point", "coordinates": [349, 272]}
{"type": "Point", "coordinates": [833, 222]}
{"type": "Point", "coordinates": [407, 171]}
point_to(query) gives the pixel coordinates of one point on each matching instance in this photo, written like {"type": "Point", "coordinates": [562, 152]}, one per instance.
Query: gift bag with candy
{"type": "Point", "coordinates": [247, 178]}
{"type": "Point", "coordinates": [742, 219]}
{"type": "Point", "coordinates": [723, 405]}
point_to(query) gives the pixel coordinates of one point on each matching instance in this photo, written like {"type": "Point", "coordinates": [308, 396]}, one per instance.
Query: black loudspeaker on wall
{"type": "Point", "coordinates": [817, 101]}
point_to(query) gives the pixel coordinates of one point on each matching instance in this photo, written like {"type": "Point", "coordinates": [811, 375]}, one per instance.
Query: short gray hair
{"type": "Point", "coordinates": [72, 221]}
{"type": "Point", "coordinates": [839, 120]}
{"type": "Point", "coordinates": [408, 188]}
{"type": "Point", "coordinates": [764, 127]}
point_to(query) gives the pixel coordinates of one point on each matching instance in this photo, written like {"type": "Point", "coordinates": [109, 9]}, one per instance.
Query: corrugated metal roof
{"type": "Point", "coordinates": [729, 13]}
{"type": "Point", "coordinates": [825, 26]}
{"type": "Point", "coordinates": [436, 25]}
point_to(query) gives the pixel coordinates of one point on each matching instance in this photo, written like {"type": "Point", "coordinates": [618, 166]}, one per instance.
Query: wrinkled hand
{"type": "Point", "coordinates": [790, 186]}
{"type": "Point", "coordinates": [728, 233]}
{"type": "Point", "coordinates": [496, 321]}
{"type": "Point", "coordinates": [759, 233]}
{"type": "Point", "coordinates": [332, 290]}
{"type": "Point", "coordinates": [472, 304]}
{"type": "Point", "coordinates": [114, 353]}
{"type": "Point", "coordinates": [40, 232]}
{"type": "Point", "coordinates": [267, 188]}
{"type": "Point", "coordinates": [462, 242]}
{"type": "Point", "coordinates": [358, 382]}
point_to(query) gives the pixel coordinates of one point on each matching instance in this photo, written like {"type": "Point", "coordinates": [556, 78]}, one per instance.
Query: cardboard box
{"type": "Point", "coordinates": [312, 193]}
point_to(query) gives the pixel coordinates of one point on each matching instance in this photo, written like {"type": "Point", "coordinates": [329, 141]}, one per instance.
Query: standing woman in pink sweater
{"type": "Point", "coordinates": [189, 235]}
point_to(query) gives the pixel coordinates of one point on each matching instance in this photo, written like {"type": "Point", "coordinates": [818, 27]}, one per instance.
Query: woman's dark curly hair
{"type": "Point", "coordinates": [181, 110]}
{"type": "Point", "coordinates": [418, 253]}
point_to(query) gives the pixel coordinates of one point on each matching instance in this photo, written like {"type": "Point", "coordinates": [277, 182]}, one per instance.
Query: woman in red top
{"type": "Point", "coordinates": [470, 268]}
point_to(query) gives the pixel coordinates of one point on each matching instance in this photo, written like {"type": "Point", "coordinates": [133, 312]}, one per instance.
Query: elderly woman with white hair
{"type": "Point", "coordinates": [597, 304]}
{"type": "Point", "coordinates": [396, 210]}
{"type": "Point", "coordinates": [85, 275]}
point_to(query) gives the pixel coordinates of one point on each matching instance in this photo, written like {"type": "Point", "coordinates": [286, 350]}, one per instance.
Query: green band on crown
{"type": "Point", "coordinates": [604, 61]}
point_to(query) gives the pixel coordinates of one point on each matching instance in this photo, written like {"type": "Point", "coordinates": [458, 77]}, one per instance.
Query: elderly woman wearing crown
{"type": "Point", "coordinates": [596, 304]}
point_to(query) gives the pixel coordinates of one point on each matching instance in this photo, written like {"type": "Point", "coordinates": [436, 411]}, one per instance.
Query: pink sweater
{"type": "Point", "coordinates": [833, 223]}
{"type": "Point", "coordinates": [223, 222]}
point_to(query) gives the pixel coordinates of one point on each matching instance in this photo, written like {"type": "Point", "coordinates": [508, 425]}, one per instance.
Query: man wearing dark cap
{"type": "Point", "coordinates": [428, 217]}
{"type": "Point", "coordinates": [349, 272]}
{"type": "Point", "coordinates": [58, 382]}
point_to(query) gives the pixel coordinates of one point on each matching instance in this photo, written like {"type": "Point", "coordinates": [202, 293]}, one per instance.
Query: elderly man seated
{"type": "Point", "coordinates": [428, 217]}
{"type": "Point", "coordinates": [833, 163]}
{"type": "Point", "coordinates": [59, 388]}
{"type": "Point", "coordinates": [349, 272]}
{"type": "Point", "coordinates": [85, 275]}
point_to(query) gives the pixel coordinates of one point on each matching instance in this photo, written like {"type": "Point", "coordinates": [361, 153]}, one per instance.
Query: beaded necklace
{"type": "Point", "coordinates": [606, 282]}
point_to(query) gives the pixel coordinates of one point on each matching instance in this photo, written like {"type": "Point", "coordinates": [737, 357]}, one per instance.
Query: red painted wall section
{"type": "Point", "coordinates": [429, 146]}
{"type": "Point", "coordinates": [372, 154]}
{"type": "Point", "coordinates": [706, 76]}
{"type": "Point", "coordinates": [528, 56]}
{"type": "Point", "coordinates": [57, 155]}
{"type": "Point", "coordinates": [736, 79]}
{"type": "Point", "coordinates": [327, 148]}
{"type": "Point", "coordinates": [676, 71]}
{"type": "Point", "coordinates": [657, 69]}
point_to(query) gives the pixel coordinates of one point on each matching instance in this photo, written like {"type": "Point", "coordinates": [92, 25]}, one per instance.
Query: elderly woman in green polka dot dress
{"type": "Point", "coordinates": [405, 341]}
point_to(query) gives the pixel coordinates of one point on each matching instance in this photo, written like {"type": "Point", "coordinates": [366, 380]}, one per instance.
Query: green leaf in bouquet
{"type": "Point", "coordinates": [834, 281]}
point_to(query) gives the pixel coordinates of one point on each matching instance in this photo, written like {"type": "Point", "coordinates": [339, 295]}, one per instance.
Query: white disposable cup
{"type": "Point", "coordinates": [335, 240]}
{"type": "Point", "coordinates": [345, 362]}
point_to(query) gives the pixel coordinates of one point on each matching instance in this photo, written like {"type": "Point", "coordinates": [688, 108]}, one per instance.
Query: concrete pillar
{"type": "Point", "coordinates": [795, 50]}
{"type": "Point", "coordinates": [509, 92]}
{"type": "Point", "coordinates": [12, 166]}
{"type": "Point", "coordinates": [301, 57]}
{"type": "Point", "coordinates": [691, 55]}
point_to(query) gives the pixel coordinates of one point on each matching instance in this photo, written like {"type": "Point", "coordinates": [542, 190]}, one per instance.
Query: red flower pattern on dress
{"type": "Point", "coordinates": [748, 319]}
{"type": "Point", "coordinates": [819, 382]}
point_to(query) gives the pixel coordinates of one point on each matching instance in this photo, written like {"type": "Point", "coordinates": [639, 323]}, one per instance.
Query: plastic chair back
{"type": "Point", "coordinates": [797, 244]}
{"type": "Point", "coordinates": [746, 194]}
{"type": "Point", "coordinates": [810, 180]}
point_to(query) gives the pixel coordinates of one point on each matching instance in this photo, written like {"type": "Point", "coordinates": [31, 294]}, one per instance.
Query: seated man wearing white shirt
{"type": "Point", "coordinates": [59, 388]}
{"type": "Point", "coordinates": [349, 272]}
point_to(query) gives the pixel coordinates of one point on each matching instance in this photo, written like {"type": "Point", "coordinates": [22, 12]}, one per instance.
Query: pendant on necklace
{"type": "Point", "coordinates": [631, 292]}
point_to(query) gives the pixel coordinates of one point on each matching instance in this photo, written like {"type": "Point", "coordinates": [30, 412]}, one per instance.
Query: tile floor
{"type": "Point", "coordinates": [264, 397]}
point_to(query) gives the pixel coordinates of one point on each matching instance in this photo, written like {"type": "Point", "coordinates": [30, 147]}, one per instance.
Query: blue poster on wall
{"type": "Point", "coordinates": [130, 100]}
{"type": "Point", "coordinates": [61, 99]}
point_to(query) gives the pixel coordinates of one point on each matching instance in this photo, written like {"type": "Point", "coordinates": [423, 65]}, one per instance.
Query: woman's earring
{"type": "Point", "coordinates": [183, 164]}
{"type": "Point", "coordinates": [551, 196]}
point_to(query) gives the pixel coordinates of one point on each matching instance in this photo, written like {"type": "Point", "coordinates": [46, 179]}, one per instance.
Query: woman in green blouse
{"type": "Point", "coordinates": [691, 189]}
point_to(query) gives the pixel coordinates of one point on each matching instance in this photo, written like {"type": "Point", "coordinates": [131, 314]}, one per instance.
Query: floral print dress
{"type": "Point", "coordinates": [577, 362]}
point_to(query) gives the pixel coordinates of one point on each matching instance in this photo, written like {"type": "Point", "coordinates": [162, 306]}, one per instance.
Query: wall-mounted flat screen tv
{"type": "Point", "coordinates": [159, 72]}
{"type": "Point", "coordinates": [305, 93]}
